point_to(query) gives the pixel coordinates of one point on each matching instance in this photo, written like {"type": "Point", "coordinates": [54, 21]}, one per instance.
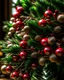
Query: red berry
{"type": "Point", "coordinates": [33, 66]}
{"type": "Point", "coordinates": [26, 76]}
{"type": "Point", "coordinates": [23, 44]}
{"type": "Point", "coordinates": [23, 54]}
{"type": "Point", "coordinates": [48, 21]}
{"type": "Point", "coordinates": [19, 23]}
{"type": "Point", "coordinates": [16, 15]}
{"type": "Point", "coordinates": [32, 48]}
{"type": "Point", "coordinates": [56, 11]}
{"type": "Point", "coordinates": [55, 15]}
{"type": "Point", "coordinates": [19, 9]}
{"type": "Point", "coordinates": [59, 51]}
{"type": "Point", "coordinates": [44, 41]}
{"type": "Point", "coordinates": [15, 58]}
{"type": "Point", "coordinates": [48, 14]}
{"type": "Point", "coordinates": [15, 74]}
{"type": "Point", "coordinates": [42, 22]}
{"type": "Point", "coordinates": [9, 69]}
{"type": "Point", "coordinates": [47, 50]}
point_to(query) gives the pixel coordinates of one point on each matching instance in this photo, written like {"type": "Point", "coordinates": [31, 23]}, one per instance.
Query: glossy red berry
{"type": "Point", "coordinates": [59, 52]}
{"type": "Point", "coordinates": [55, 15]}
{"type": "Point", "coordinates": [23, 44]}
{"type": "Point", "coordinates": [33, 66]}
{"type": "Point", "coordinates": [16, 15]}
{"type": "Point", "coordinates": [19, 23]}
{"type": "Point", "coordinates": [48, 13]}
{"type": "Point", "coordinates": [48, 21]}
{"type": "Point", "coordinates": [9, 69]}
{"type": "Point", "coordinates": [44, 41]}
{"type": "Point", "coordinates": [42, 22]}
{"type": "Point", "coordinates": [15, 58]}
{"type": "Point", "coordinates": [56, 11]}
{"type": "Point", "coordinates": [19, 9]}
{"type": "Point", "coordinates": [15, 75]}
{"type": "Point", "coordinates": [23, 54]}
{"type": "Point", "coordinates": [26, 76]}
{"type": "Point", "coordinates": [47, 50]}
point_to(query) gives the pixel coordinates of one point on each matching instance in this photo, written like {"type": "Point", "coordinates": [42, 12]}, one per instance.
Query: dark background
{"type": "Point", "coordinates": [5, 14]}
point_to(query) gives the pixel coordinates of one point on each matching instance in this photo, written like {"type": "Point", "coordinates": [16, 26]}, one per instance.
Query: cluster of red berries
{"type": "Point", "coordinates": [48, 50]}
{"type": "Point", "coordinates": [47, 15]}
{"type": "Point", "coordinates": [16, 17]}
{"type": "Point", "coordinates": [15, 74]}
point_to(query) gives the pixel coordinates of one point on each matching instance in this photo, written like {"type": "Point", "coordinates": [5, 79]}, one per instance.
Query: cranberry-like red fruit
{"type": "Point", "coordinates": [44, 41]}
{"type": "Point", "coordinates": [23, 44]}
{"type": "Point", "coordinates": [48, 13]}
{"type": "Point", "coordinates": [15, 74]}
{"type": "Point", "coordinates": [42, 22]}
{"type": "Point", "coordinates": [59, 51]}
{"type": "Point", "coordinates": [19, 9]}
{"type": "Point", "coordinates": [47, 50]}
{"type": "Point", "coordinates": [26, 76]}
{"type": "Point", "coordinates": [33, 66]}
{"type": "Point", "coordinates": [9, 69]}
{"type": "Point", "coordinates": [15, 58]}
{"type": "Point", "coordinates": [23, 54]}
{"type": "Point", "coordinates": [19, 23]}
{"type": "Point", "coordinates": [16, 15]}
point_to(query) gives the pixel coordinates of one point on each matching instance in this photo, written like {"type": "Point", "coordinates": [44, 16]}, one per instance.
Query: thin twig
{"type": "Point", "coordinates": [20, 65]}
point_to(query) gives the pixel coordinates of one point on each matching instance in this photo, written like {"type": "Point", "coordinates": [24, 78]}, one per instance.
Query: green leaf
{"type": "Point", "coordinates": [49, 72]}
{"type": "Point", "coordinates": [59, 4]}
{"type": "Point", "coordinates": [8, 24]}
{"type": "Point", "coordinates": [17, 37]}
{"type": "Point", "coordinates": [37, 74]}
